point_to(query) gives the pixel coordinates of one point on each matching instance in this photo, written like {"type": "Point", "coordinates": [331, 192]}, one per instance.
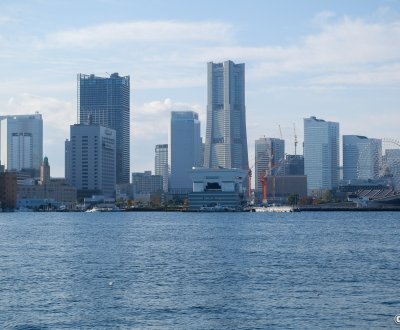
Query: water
{"type": "Point", "coordinates": [199, 271]}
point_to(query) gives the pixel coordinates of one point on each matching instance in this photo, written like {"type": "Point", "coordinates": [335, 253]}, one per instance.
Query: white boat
{"type": "Point", "coordinates": [103, 209]}
{"type": "Point", "coordinates": [275, 208]}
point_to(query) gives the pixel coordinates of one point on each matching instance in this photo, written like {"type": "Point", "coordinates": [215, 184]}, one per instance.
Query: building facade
{"type": "Point", "coordinates": [146, 183]}
{"type": "Point", "coordinates": [161, 164]}
{"type": "Point", "coordinates": [8, 190]}
{"type": "Point", "coordinates": [185, 149]}
{"type": "Point", "coordinates": [216, 189]}
{"type": "Point", "coordinates": [269, 159]}
{"type": "Point", "coordinates": [361, 157]}
{"type": "Point", "coordinates": [31, 193]}
{"type": "Point", "coordinates": [92, 160]}
{"type": "Point", "coordinates": [321, 154]}
{"type": "Point", "coordinates": [294, 165]}
{"type": "Point", "coordinates": [106, 101]}
{"type": "Point", "coordinates": [226, 137]}
{"type": "Point", "coordinates": [21, 138]}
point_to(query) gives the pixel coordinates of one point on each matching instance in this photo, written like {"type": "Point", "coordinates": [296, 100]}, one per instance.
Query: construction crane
{"type": "Point", "coordinates": [295, 139]}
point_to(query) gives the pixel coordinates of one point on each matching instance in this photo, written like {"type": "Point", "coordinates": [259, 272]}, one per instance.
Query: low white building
{"type": "Point", "coordinates": [217, 187]}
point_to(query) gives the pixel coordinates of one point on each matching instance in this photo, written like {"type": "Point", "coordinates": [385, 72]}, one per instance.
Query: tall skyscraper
{"type": "Point", "coordinates": [92, 157]}
{"type": "Point", "coordinates": [321, 154]}
{"type": "Point", "coordinates": [21, 138]}
{"type": "Point", "coordinates": [269, 158]}
{"type": "Point", "coordinates": [106, 100]}
{"type": "Point", "coordinates": [161, 163]}
{"type": "Point", "coordinates": [361, 157]}
{"type": "Point", "coordinates": [226, 139]}
{"type": "Point", "coordinates": [185, 149]}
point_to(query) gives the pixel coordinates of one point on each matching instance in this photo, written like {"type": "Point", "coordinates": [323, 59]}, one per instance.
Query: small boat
{"type": "Point", "coordinates": [275, 208]}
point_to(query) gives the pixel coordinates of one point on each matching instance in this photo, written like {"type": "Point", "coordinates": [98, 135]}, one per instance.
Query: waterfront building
{"type": "Point", "coordinates": [280, 187]}
{"type": "Point", "coordinates": [46, 188]}
{"type": "Point", "coordinates": [92, 160]}
{"type": "Point", "coordinates": [269, 159]}
{"type": "Point", "coordinates": [8, 190]}
{"type": "Point", "coordinates": [321, 154]}
{"type": "Point", "coordinates": [361, 157]}
{"type": "Point", "coordinates": [21, 142]}
{"type": "Point", "coordinates": [217, 188]}
{"type": "Point", "coordinates": [161, 164]}
{"type": "Point", "coordinates": [144, 185]}
{"type": "Point", "coordinates": [226, 138]}
{"type": "Point", "coordinates": [185, 149]}
{"type": "Point", "coordinates": [106, 101]}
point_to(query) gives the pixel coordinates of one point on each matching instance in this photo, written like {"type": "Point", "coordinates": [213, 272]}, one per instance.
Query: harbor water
{"type": "Point", "coordinates": [165, 270]}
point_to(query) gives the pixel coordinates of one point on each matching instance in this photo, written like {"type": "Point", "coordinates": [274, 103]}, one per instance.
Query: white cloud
{"type": "Point", "coordinates": [101, 36]}
{"type": "Point", "coordinates": [56, 113]}
{"type": "Point", "coordinates": [150, 121]}
{"type": "Point", "coordinates": [387, 74]}
{"type": "Point", "coordinates": [5, 20]}
{"type": "Point", "coordinates": [347, 45]}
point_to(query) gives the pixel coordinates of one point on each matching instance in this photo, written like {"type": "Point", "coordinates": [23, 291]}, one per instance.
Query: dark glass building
{"type": "Point", "coordinates": [105, 101]}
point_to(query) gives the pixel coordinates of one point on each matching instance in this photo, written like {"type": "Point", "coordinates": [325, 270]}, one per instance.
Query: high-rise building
{"type": "Point", "coordinates": [161, 163]}
{"type": "Point", "coordinates": [21, 144]}
{"type": "Point", "coordinates": [106, 101]}
{"type": "Point", "coordinates": [361, 157]}
{"type": "Point", "coordinates": [226, 139]}
{"type": "Point", "coordinates": [185, 149]}
{"type": "Point", "coordinates": [294, 165]}
{"type": "Point", "coordinates": [269, 158]}
{"type": "Point", "coordinates": [92, 160]}
{"type": "Point", "coordinates": [321, 154]}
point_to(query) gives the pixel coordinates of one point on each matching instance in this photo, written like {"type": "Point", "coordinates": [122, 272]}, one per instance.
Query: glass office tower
{"type": "Point", "coordinates": [321, 154]}
{"type": "Point", "coordinates": [106, 101]}
{"type": "Point", "coordinates": [185, 149]}
{"type": "Point", "coordinates": [226, 139]}
{"type": "Point", "coordinates": [161, 163]}
{"type": "Point", "coordinates": [361, 157]}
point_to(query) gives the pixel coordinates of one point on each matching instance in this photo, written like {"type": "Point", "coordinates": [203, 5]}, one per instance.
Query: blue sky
{"type": "Point", "coordinates": [337, 60]}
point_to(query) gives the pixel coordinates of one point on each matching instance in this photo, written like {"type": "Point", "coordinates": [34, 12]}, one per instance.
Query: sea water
{"type": "Point", "coordinates": [156, 270]}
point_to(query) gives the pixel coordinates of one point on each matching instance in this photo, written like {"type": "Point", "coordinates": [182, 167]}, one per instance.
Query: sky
{"type": "Point", "coordinates": [336, 60]}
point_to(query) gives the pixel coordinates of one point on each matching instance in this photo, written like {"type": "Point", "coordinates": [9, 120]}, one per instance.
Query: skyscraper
{"type": "Point", "coordinates": [161, 163]}
{"type": "Point", "coordinates": [185, 149]}
{"type": "Point", "coordinates": [21, 144]}
{"type": "Point", "coordinates": [269, 158]}
{"type": "Point", "coordinates": [321, 154]}
{"type": "Point", "coordinates": [106, 100]}
{"type": "Point", "coordinates": [92, 150]}
{"type": "Point", "coordinates": [361, 157]}
{"type": "Point", "coordinates": [226, 139]}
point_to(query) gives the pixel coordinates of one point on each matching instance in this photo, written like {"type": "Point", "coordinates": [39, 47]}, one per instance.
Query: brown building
{"type": "Point", "coordinates": [279, 188]}
{"type": "Point", "coordinates": [57, 189]}
{"type": "Point", "coordinates": [8, 190]}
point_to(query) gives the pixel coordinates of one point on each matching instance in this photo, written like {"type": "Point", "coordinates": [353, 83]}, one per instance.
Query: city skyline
{"type": "Point", "coordinates": [337, 61]}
